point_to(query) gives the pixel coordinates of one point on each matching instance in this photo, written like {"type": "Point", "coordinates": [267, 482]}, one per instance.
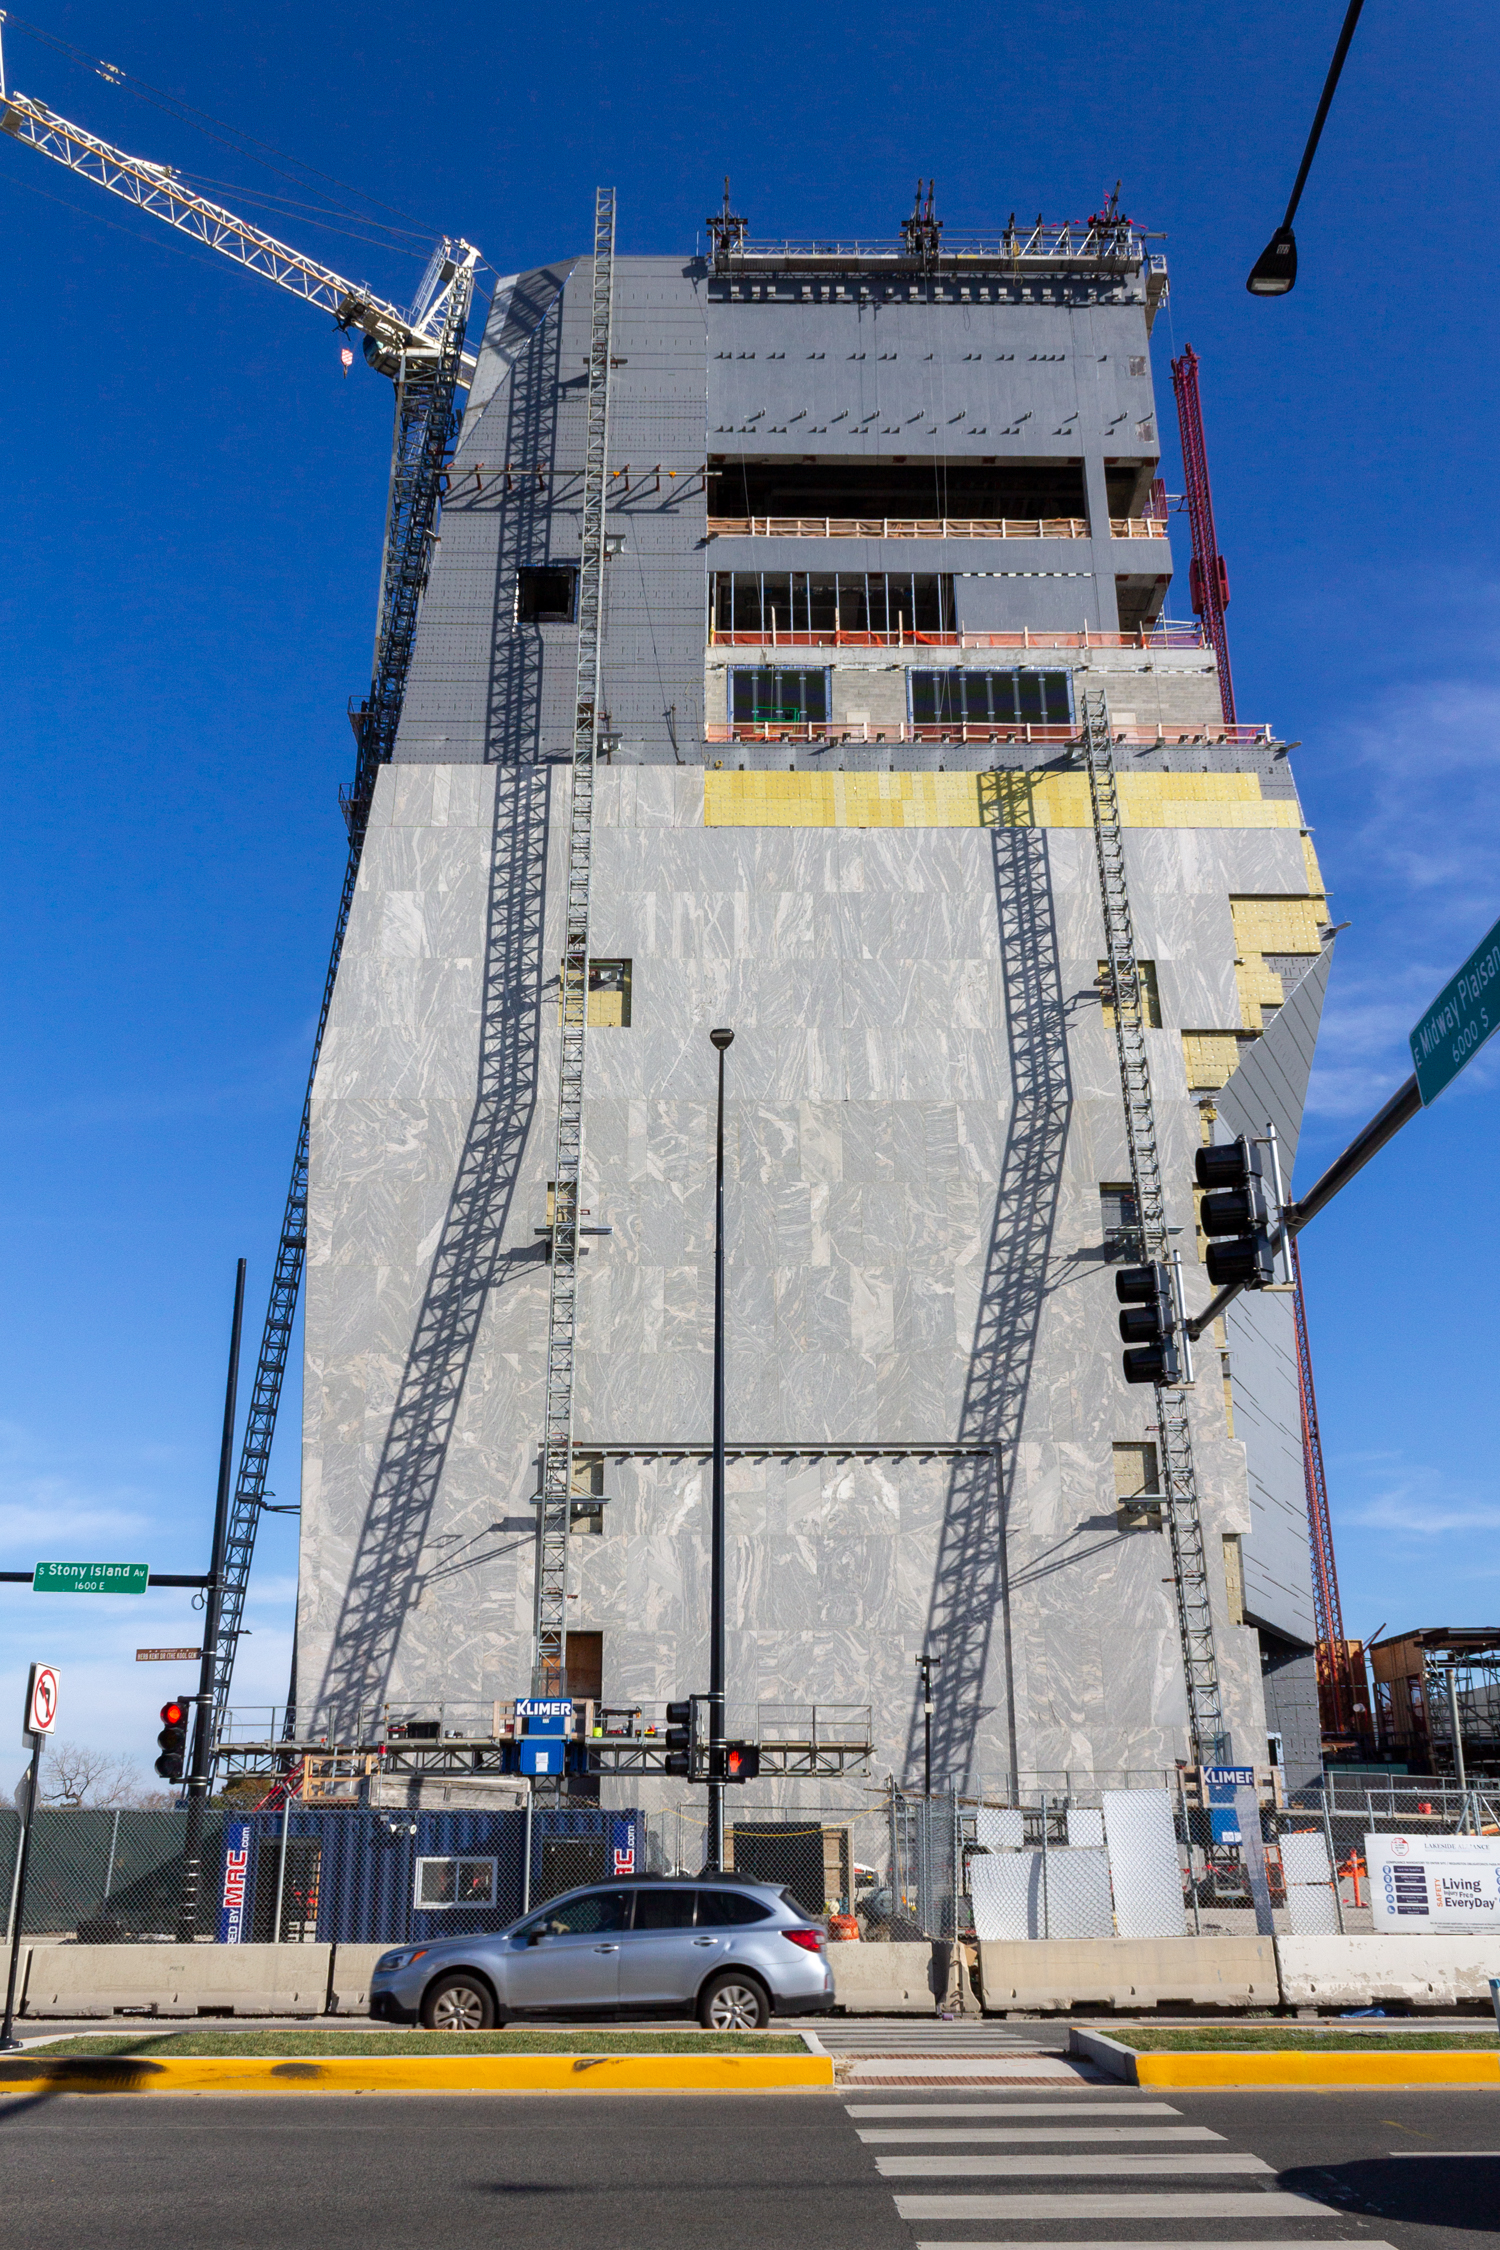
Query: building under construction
{"type": "Point", "coordinates": [882, 751]}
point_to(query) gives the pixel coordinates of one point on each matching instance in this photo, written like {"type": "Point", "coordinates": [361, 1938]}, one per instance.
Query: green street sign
{"type": "Point", "coordinates": [90, 1577]}
{"type": "Point", "coordinates": [1461, 1018]}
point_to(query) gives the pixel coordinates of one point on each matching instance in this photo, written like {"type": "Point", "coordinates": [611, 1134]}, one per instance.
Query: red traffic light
{"type": "Point", "coordinates": [172, 1741]}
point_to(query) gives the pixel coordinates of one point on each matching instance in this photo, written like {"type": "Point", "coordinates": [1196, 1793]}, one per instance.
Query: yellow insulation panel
{"type": "Point", "coordinates": [985, 800]}
{"type": "Point", "coordinates": [1211, 1057]}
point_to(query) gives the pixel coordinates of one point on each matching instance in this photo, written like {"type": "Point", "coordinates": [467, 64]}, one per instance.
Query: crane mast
{"type": "Point", "coordinates": [422, 350]}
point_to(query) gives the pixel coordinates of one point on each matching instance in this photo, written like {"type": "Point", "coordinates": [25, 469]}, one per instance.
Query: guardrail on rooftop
{"type": "Point", "coordinates": [928, 527]}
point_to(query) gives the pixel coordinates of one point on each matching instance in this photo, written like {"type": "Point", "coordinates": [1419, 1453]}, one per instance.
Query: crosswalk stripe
{"type": "Point", "coordinates": [1072, 2167]}
{"type": "Point", "coordinates": [1182, 2203]}
{"type": "Point", "coordinates": [1108, 2136]}
{"type": "Point", "coordinates": [1013, 2109]}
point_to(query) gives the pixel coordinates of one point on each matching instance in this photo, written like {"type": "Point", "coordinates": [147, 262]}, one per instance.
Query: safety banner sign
{"type": "Point", "coordinates": [1446, 1883]}
{"type": "Point", "coordinates": [234, 1886]}
{"type": "Point", "coordinates": [624, 1842]}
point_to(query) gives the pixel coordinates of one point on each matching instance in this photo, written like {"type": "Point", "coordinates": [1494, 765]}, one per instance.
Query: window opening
{"type": "Point", "coordinates": [663, 1910]}
{"type": "Point", "coordinates": [726, 1909]}
{"type": "Point", "coordinates": [588, 1481]}
{"type": "Point", "coordinates": [546, 594]}
{"type": "Point", "coordinates": [991, 699]}
{"type": "Point", "coordinates": [775, 605]}
{"type": "Point", "coordinates": [1150, 995]}
{"type": "Point", "coordinates": [580, 1917]}
{"type": "Point", "coordinates": [455, 1882]}
{"type": "Point", "coordinates": [778, 698]}
{"type": "Point", "coordinates": [1120, 1219]}
{"type": "Point", "coordinates": [609, 995]}
{"type": "Point", "coordinates": [1137, 1486]}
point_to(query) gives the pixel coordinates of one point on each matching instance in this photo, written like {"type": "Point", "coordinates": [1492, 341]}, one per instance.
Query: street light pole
{"type": "Point", "coordinates": [722, 1039]}
{"type": "Point", "coordinates": [927, 1665]}
{"type": "Point", "coordinates": [200, 1764]}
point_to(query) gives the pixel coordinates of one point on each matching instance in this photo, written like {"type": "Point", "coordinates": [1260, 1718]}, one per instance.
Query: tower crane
{"type": "Point", "coordinates": [422, 351]}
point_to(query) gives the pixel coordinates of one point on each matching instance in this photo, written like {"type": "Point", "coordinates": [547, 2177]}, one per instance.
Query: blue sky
{"type": "Point", "coordinates": [193, 499]}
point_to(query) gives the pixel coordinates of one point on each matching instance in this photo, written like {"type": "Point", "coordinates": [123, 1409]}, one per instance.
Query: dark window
{"type": "Point", "coordinates": [721, 1909]}
{"type": "Point", "coordinates": [1119, 1220]}
{"type": "Point", "coordinates": [778, 698]}
{"type": "Point", "coordinates": [585, 1673]}
{"type": "Point", "coordinates": [546, 594]}
{"type": "Point", "coordinates": [663, 1910]}
{"type": "Point", "coordinates": [576, 1917]}
{"type": "Point", "coordinates": [922, 490]}
{"type": "Point", "coordinates": [771, 602]}
{"type": "Point", "coordinates": [991, 699]}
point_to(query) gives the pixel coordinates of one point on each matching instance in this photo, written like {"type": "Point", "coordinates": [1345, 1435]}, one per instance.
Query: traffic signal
{"type": "Point", "coordinates": [687, 1738]}
{"type": "Point", "coordinates": [737, 1761]}
{"type": "Point", "coordinates": [680, 1738]}
{"type": "Point", "coordinates": [172, 1741]}
{"type": "Point", "coordinates": [1235, 1215]}
{"type": "Point", "coordinates": [1149, 1322]}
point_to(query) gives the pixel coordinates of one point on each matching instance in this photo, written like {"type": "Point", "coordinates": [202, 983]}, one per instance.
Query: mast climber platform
{"type": "Point", "coordinates": [1178, 1490]}
{"type": "Point", "coordinates": [555, 1512]}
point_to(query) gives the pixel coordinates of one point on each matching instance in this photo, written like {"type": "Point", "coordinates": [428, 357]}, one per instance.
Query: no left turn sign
{"type": "Point", "coordinates": [41, 1699]}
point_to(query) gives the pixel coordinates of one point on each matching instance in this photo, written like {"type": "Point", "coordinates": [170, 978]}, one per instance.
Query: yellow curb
{"type": "Point", "coordinates": [1291, 2066]}
{"type": "Point", "coordinates": [415, 2074]}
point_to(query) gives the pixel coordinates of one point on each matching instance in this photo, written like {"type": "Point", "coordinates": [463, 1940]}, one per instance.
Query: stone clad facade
{"type": "Point", "coordinates": [900, 918]}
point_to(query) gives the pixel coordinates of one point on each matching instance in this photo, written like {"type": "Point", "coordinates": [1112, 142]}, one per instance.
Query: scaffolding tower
{"type": "Point", "coordinates": [1177, 1483]}
{"type": "Point", "coordinates": [554, 1513]}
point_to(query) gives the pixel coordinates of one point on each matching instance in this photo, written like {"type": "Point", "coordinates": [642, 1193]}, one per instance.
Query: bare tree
{"type": "Point", "coordinates": [75, 1778]}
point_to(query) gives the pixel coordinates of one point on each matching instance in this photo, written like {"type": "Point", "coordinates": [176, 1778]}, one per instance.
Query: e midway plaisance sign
{"type": "Point", "coordinates": [90, 1577]}
{"type": "Point", "coordinates": [1461, 1018]}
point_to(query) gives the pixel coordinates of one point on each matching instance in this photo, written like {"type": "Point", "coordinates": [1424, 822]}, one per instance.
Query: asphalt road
{"type": "Point", "coordinates": [708, 2172]}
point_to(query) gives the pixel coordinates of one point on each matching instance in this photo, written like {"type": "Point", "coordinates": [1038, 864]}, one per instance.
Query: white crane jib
{"type": "Point", "coordinates": [392, 338]}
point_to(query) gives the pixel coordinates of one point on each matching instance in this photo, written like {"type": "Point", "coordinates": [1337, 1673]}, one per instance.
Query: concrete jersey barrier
{"type": "Point", "coordinates": [176, 1980]}
{"type": "Point", "coordinates": [1045, 1974]}
{"type": "Point", "coordinates": [1364, 1969]}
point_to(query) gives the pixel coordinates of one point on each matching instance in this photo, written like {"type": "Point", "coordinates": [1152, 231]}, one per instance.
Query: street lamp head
{"type": "Point", "coordinates": [722, 1039]}
{"type": "Point", "coordinates": [1275, 270]}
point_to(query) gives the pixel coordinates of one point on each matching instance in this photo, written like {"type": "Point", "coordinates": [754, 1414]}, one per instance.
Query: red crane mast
{"type": "Point", "coordinates": [1208, 576]}
{"type": "Point", "coordinates": [1208, 584]}
{"type": "Point", "coordinates": [1336, 1684]}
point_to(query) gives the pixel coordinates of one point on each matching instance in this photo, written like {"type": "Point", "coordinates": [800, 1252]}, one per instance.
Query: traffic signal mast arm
{"type": "Point", "coordinates": [1398, 1111]}
{"type": "Point", "coordinates": [157, 189]}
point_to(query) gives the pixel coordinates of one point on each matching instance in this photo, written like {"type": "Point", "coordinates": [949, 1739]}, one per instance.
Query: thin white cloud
{"type": "Point", "coordinates": [1414, 851]}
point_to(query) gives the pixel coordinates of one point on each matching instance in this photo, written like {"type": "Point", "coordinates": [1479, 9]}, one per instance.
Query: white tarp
{"type": "Point", "coordinates": [1424, 1883]}
{"type": "Point", "coordinates": [1309, 1883]}
{"type": "Point", "coordinates": [1085, 1826]}
{"type": "Point", "coordinates": [1000, 1827]}
{"type": "Point", "coordinates": [1005, 1891]}
{"type": "Point", "coordinates": [1143, 1864]}
{"type": "Point", "coordinates": [1062, 1893]}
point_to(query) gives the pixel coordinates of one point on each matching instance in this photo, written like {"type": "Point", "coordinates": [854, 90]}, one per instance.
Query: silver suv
{"type": "Point", "coordinates": [730, 1952]}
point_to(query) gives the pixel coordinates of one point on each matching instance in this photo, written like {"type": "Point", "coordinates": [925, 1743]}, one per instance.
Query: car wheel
{"type": "Point", "coordinates": [731, 2002]}
{"type": "Point", "coordinates": [458, 2003]}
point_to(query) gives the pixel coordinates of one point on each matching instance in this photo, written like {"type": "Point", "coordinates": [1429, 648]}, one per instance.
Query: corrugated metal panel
{"type": "Point", "coordinates": [1271, 1083]}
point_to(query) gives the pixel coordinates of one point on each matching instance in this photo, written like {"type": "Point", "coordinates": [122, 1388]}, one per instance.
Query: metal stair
{"type": "Point", "coordinates": [554, 1515]}
{"type": "Point", "coordinates": [1178, 1484]}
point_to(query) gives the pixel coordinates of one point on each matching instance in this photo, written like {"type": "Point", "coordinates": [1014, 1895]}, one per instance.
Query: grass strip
{"type": "Point", "coordinates": [1295, 2039]}
{"type": "Point", "coordinates": [360, 2043]}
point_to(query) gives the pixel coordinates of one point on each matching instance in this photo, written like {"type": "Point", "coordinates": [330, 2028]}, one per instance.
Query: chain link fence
{"type": "Point", "coordinates": [1149, 1857]}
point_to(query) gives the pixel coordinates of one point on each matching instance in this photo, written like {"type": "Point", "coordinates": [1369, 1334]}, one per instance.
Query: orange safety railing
{"type": "Point", "coordinates": [834, 730]}
{"type": "Point", "coordinates": [928, 527]}
{"type": "Point", "coordinates": [1188, 634]}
